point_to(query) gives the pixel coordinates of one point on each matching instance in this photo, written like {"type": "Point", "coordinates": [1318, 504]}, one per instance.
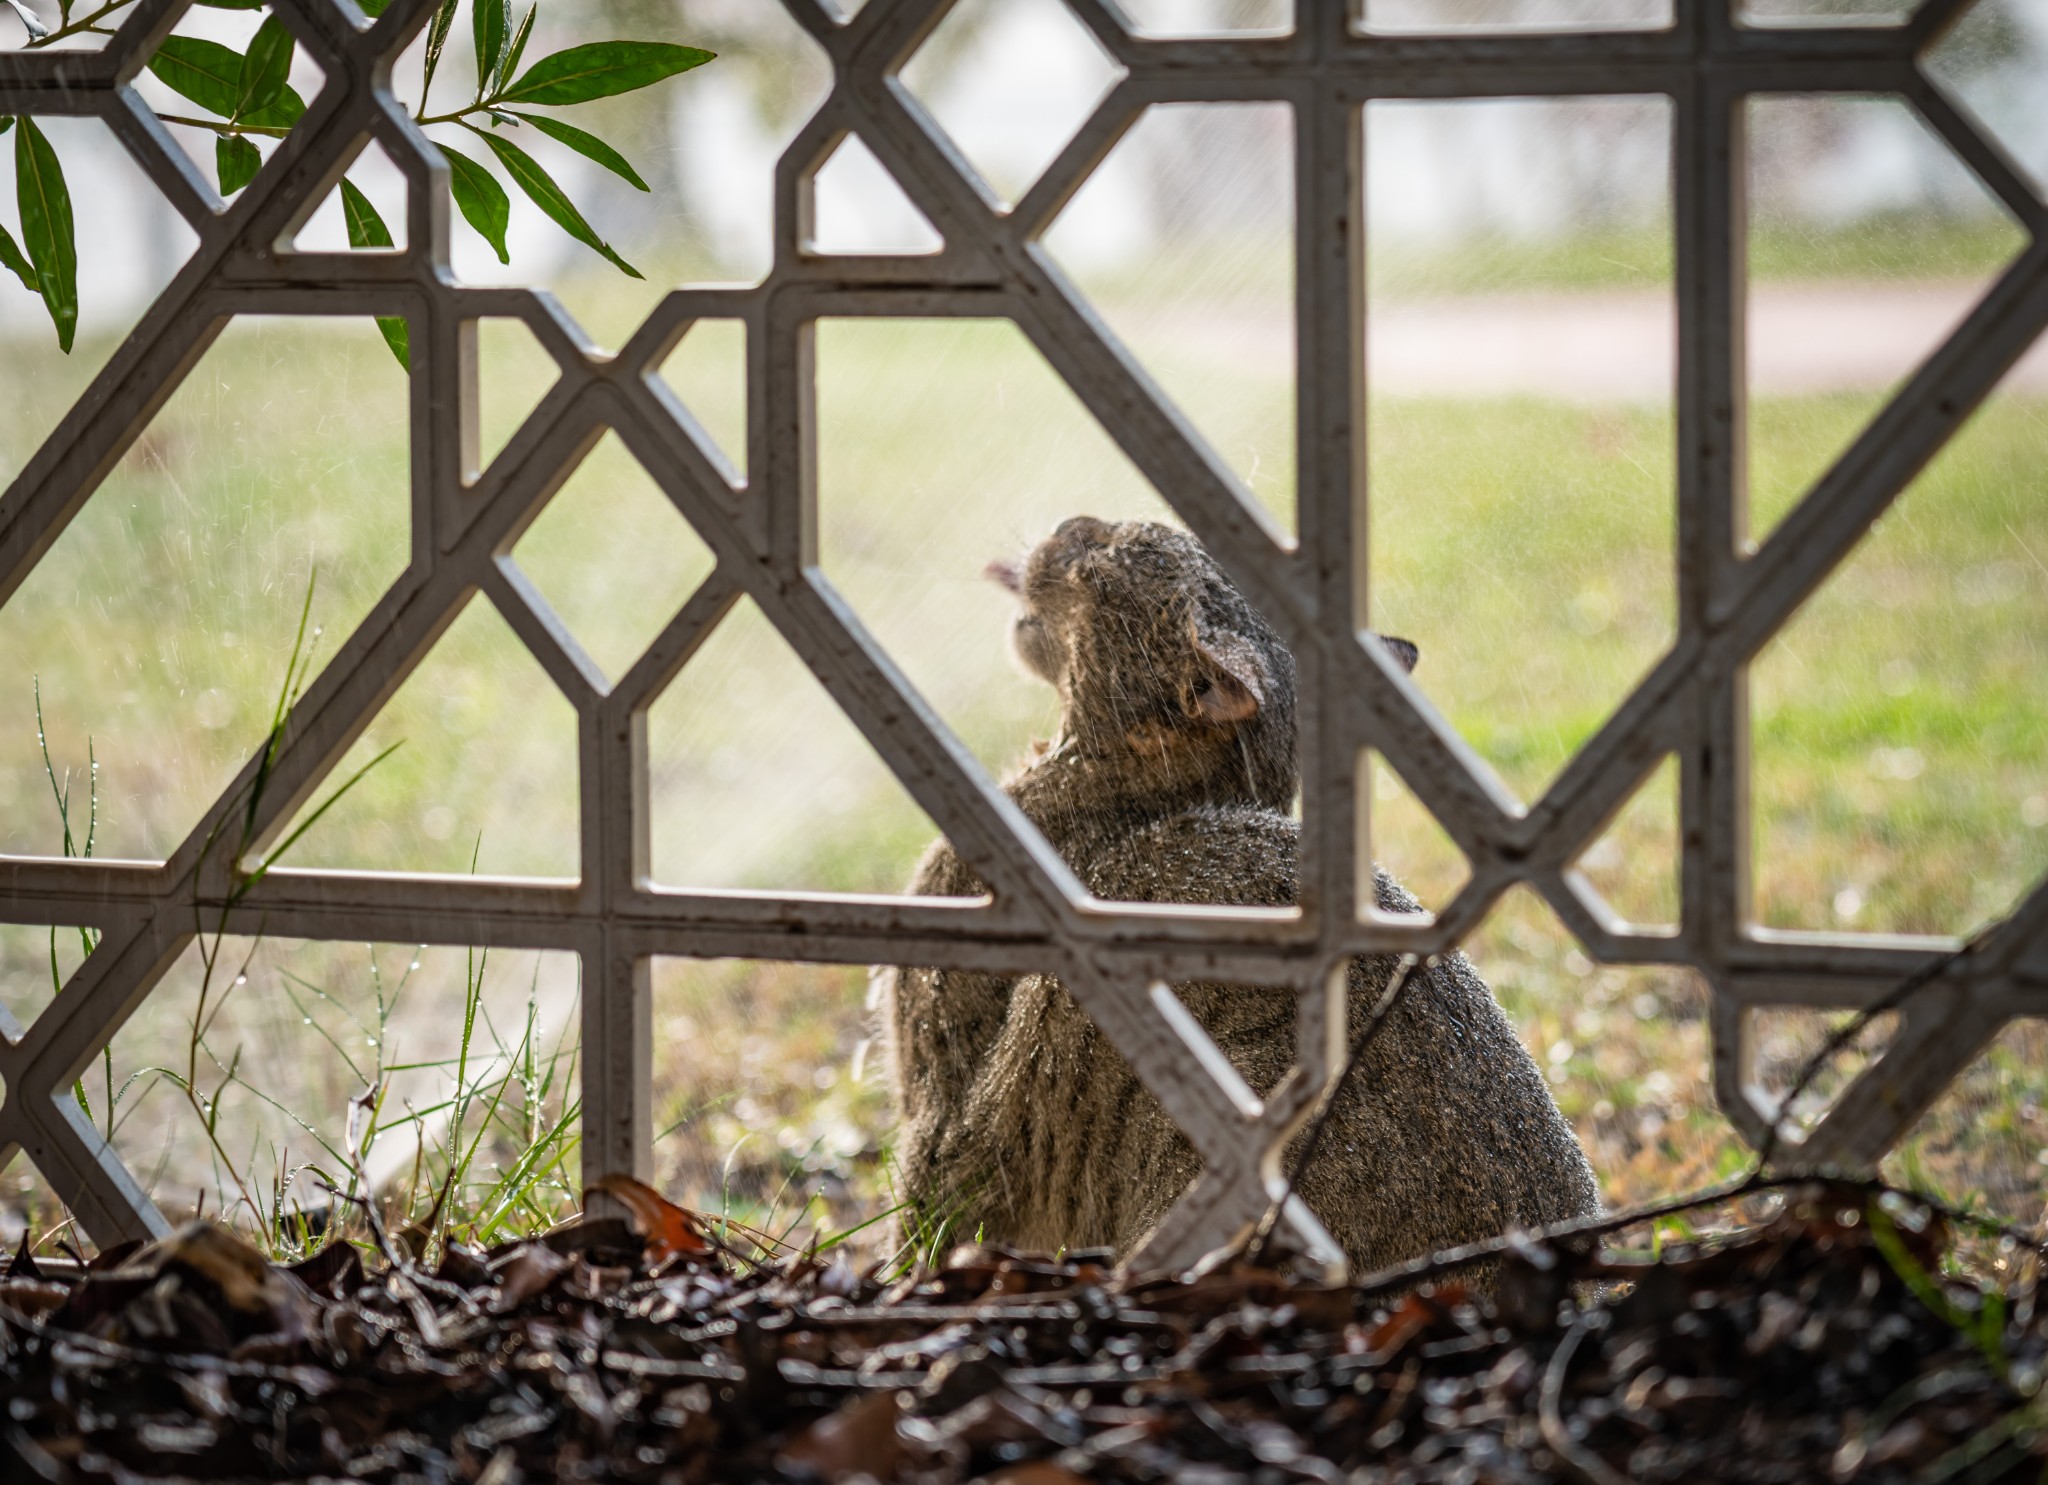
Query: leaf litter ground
{"type": "Point", "coordinates": [1817, 1342]}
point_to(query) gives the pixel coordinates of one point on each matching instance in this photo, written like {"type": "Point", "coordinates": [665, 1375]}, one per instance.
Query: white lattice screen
{"type": "Point", "coordinates": [763, 533]}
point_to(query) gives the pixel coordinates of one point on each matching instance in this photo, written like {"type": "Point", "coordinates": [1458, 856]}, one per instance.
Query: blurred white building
{"type": "Point", "coordinates": [1011, 79]}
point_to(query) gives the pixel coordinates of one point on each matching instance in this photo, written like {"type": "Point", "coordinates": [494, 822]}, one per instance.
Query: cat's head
{"type": "Point", "coordinates": [1162, 667]}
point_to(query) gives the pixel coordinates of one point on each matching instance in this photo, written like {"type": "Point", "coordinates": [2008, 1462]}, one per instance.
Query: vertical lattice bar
{"type": "Point", "coordinates": [617, 985]}
{"type": "Point", "coordinates": [1329, 479]}
{"type": "Point", "coordinates": [1709, 219]}
{"type": "Point", "coordinates": [446, 409]}
{"type": "Point", "coordinates": [1330, 519]}
{"type": "Point", "coordinates": [1709, 213]}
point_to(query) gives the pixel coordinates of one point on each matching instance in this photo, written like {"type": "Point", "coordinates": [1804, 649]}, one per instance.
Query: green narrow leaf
{"type": "Point", "coordinates": [509, 62]}
{"type": "Point", "coordinates": [16, 262]}
{"type": "Point", "coordinates": [265, 68]}
{"type": "Point", "coordinates": [46, 227]}
{"type": "Point", "coordinates": [373, 8]}
{"type": "Point", "coordinates": [6, 123]}
{"type": "Point", "coordinates": [482, 201]}
{"type": "Point", "coordinates": [206, 72]}
{"type": "Point", "coordinates": [541, 188]}
{"type": "Point", "coordinates": [366, 229]}
{"type": "Point", "coordinates": [437, 38]}
{"type": "Point", "coordinates": [12, 258]}
{"type": "Point", "coordinates": [487, 30]}
{"type": "Point", "coordinates": [237, 162]}
{"type": "Point", "coordinates": [600, 69]}
{"type": "Point", "coordinates": [277, 855]}
{"type": "Point", "coordinates": [585, 144]}
{"type": "Point", "coordinates": [285, 112]}
{"type": "Point", "coordinates": [392, 328]}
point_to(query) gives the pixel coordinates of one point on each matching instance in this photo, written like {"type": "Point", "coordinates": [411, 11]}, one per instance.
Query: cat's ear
{"type": "Point", "coordinates": [1402, 650]}
{"type": "Point", "coordinates": [1231, 684]}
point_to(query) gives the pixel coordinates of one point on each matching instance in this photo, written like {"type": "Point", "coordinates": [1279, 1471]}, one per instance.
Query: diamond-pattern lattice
{"type": "Point", "coordinates": [762, 537]}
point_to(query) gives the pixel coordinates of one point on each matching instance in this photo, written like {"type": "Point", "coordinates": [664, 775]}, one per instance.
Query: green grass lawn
{"type": "Point", "coordinates": [1876, 248]}
{"type": "Point", "coordinates": [1900, 724]}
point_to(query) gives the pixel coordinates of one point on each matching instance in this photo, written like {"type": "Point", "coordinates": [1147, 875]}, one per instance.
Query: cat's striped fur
{"type": "Point", "coordinates": [1169, 782]}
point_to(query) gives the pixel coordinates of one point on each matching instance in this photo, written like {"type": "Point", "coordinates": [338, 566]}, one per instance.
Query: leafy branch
{"type": "Point", "coordinates": [247, 96]}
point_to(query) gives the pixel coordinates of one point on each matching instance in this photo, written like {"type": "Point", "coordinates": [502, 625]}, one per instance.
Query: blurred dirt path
{"type": "Point", "coordinates": [1604, 346]}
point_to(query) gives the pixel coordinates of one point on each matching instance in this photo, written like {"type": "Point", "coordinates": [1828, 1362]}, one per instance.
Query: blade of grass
{"type": "Point", "coordinates": [249, 882]}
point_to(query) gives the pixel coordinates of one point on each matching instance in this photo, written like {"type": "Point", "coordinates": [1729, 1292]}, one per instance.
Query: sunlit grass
{"type": "Point", "coordinates": [1900, 723]}
{"type": "Point", "coordinates": [1526, 547]}
{"type": "Point", "coordinates": [769, 1106]}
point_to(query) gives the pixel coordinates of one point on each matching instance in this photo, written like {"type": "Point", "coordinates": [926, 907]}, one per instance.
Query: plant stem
{"type": "Point", "coordinates": [223, 126]}
{"type": "Point", "coordinates": [85, 23]}
{"type": "Point", "coordinates": [207, 1111]}
{"type": "Point", "coordinates": [458, 115]}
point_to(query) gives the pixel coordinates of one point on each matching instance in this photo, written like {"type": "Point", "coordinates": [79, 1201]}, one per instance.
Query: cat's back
{"type": "Point", "coordinates": [1236, 855]}
{"type": "Point", "coordinates": [1445, 1133]}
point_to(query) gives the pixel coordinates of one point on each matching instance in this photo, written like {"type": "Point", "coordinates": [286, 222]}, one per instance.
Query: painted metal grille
{"type": "Point", "coordinates": [1115, 958]}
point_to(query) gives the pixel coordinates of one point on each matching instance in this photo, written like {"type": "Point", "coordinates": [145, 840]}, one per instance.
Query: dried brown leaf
{"type": "Point", "coordinates": [1037, 1472]}
{"type": "Point", "coordinates": [531, 1269]}
{"type": "Point", "coordinates": [860, 1438]}
{"type": "Point", "coordinates": [668, 1230]}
